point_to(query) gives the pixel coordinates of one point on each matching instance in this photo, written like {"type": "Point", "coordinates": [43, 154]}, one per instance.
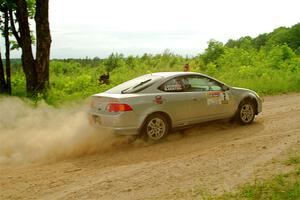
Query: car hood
{"type": "Point", "coordinates": [245, 90]}
{"type": "Point", "coordinates": [242, 89]}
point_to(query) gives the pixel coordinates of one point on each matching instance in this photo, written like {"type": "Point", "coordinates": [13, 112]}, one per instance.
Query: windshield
{"type": "Point", "coordinates": [134, 85]}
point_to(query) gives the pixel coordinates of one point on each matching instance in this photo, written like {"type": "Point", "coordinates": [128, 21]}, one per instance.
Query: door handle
{"type": "Point", "coordinates": [195, 99]}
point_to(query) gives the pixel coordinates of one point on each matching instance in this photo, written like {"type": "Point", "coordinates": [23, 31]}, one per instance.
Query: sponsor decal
{"type": "Point", "coordinates": [158, 99]}
{"type": "Point", "coordinates": [217, 98]}
{"type": "Point", "coordinates": [214, 93]}
{"type": "Point", "coordinates": [173, 88]}
{"type": "Point", "coordinates": [226, 98]}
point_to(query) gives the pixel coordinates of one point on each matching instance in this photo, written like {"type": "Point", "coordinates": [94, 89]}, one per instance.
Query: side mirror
{"type": "Point", "coordinates": [225, 87]}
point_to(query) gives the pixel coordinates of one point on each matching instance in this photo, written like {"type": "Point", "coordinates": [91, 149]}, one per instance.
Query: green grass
{"type": "Point", "coordinates": [293, 160]}
{"type": "Point", "coordinates": [281, 187]}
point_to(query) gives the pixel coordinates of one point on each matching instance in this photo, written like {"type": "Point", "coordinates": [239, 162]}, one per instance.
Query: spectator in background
{"type": "Point", "coordinates": [104, 79]}
{"type": "Point", "coordinates": [186, 67]}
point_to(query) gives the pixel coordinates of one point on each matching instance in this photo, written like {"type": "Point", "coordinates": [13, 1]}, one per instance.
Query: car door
{"type": "Point", "coordinates": [175, 102]}
{"type": "Point", "coordinates": [208, 101]}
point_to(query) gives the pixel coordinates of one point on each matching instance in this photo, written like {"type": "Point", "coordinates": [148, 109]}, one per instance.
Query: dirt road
{"type": "Point", "coordinates": [211, 157]}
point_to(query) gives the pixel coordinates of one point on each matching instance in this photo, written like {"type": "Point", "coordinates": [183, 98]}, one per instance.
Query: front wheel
{"type": "Point", "coordinates": [246, 112]}
{"type": "Point", "coordinates": [156, 127]}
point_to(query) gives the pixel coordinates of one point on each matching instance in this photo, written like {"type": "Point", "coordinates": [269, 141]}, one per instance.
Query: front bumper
{"type": "Point", "coordinates": [259, 105]}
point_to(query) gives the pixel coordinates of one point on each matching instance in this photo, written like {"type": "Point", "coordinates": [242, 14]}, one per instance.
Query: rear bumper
{"type": "Point", "coordinates": [97, 121]}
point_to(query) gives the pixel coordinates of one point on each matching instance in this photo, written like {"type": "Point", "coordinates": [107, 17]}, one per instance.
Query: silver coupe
{"type": "Point", "coordinates": [153, 104]}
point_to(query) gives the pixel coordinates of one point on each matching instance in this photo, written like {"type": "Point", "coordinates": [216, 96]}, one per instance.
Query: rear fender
{"type": "Point", "coordinates": [165, 114]}
{"type": "Point", "coordinates": [146, 105]}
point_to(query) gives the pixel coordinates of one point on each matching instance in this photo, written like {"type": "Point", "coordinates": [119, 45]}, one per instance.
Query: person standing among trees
{"type": "Point", "coordinates": [186, 67]}
{"type": "Point", "coordinates": [104, 79]}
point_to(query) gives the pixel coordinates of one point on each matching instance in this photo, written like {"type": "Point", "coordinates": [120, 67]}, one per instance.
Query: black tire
{"type": "Point", "coordinates": [246, 112]}
{"type": "Point", "coordinates": [156, 127]}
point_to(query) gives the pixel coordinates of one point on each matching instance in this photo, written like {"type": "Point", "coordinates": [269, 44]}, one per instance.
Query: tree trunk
{"type": "Point", "coordinates": [43, 44]}
{"type": "Point", "coordinates": [2, 77]}
{"type": "Point", "coordinates": [28, 61]}
{"type": "Point", "coordinates": [7, 52]}
{"type": "Point", "coordinates": [36, 71]}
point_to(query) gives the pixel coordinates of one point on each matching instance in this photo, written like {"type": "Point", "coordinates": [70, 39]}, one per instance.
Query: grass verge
{"type": "Point", "coordinates": [281, 187]}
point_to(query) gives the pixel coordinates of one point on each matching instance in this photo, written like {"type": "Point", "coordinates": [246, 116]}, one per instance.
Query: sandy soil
{"type": "Point", "coordinates": [212, 157]}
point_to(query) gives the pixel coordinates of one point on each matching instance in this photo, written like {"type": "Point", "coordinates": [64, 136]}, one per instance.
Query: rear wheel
{"type": "Point", "coordinates": [156, 127]}
{"type": "Point", "coordinates": [246, 112]}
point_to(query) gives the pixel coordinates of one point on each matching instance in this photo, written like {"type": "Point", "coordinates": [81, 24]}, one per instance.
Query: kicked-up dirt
{"type": "Point", "coordinates": [208, 158]}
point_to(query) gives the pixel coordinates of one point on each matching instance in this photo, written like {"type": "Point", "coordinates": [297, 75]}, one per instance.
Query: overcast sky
{"type": "Point", "coordinates": [98, 28]}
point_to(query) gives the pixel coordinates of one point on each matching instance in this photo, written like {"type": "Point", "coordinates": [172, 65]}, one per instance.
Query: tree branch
{"type": "Point", "coordinates": [13, 28]}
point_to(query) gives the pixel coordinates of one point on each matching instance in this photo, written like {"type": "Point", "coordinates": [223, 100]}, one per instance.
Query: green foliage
{"type": "Point", "coordinates": [114, 61]}
{"type": "Point", "coordinates": [260, 41]}
{"type": "Point", "coordinates": [213, 52]}
{"type": "Point", "coordinates": [265, 64]}
{"type": "Point", "coordinates": [31, 8]}
{"type": "Point", "coordinates": [280, 36]}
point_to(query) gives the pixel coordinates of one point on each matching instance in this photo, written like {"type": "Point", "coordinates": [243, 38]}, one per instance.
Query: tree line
{"type": "Point", "coordinates": [278, 49]}
{"type": "Point", "coordinates": [267, 41]}
{"type": "Point", "coordinates": [15, 19]}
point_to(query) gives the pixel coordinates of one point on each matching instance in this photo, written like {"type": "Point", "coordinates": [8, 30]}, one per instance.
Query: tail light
{"type": "Point", "coordinates": [118, 107]}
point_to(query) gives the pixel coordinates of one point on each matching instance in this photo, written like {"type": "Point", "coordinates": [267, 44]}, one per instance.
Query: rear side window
{"type": "Point", "coordinates": [173, 85]}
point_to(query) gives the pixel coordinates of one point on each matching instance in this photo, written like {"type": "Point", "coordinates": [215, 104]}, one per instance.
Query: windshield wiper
{"type": "Point", "coordinates": [141, 83]}
{"type": "Point", "coordinates": [123, 91]}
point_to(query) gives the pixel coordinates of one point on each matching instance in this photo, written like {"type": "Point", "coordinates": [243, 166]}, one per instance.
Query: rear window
{"type": "Point", "coordinates": [135, 85]}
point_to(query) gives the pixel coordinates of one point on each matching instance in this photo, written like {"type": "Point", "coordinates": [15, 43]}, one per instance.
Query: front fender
{"type": "Point", "coordinates": [253, 97]}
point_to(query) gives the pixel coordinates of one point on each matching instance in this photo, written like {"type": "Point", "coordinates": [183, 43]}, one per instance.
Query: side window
{"type": "Point", "coordinates": [198, 83]}
{"type": "Point", "coordinates": [190, 84]}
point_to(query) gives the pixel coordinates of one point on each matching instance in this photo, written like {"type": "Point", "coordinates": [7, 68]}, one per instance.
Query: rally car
{"type": "Point", "coordinates": [153, 104]}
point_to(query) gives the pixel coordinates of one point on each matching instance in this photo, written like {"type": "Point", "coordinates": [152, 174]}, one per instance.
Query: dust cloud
{"type": "Point", "coordinates": [46, 134]}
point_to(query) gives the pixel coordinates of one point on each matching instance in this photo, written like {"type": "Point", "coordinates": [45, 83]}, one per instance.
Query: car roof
{"type": "Point", "coordinates": [167, 75]}
{"type": "Point", "coordinates": [170, 74]}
